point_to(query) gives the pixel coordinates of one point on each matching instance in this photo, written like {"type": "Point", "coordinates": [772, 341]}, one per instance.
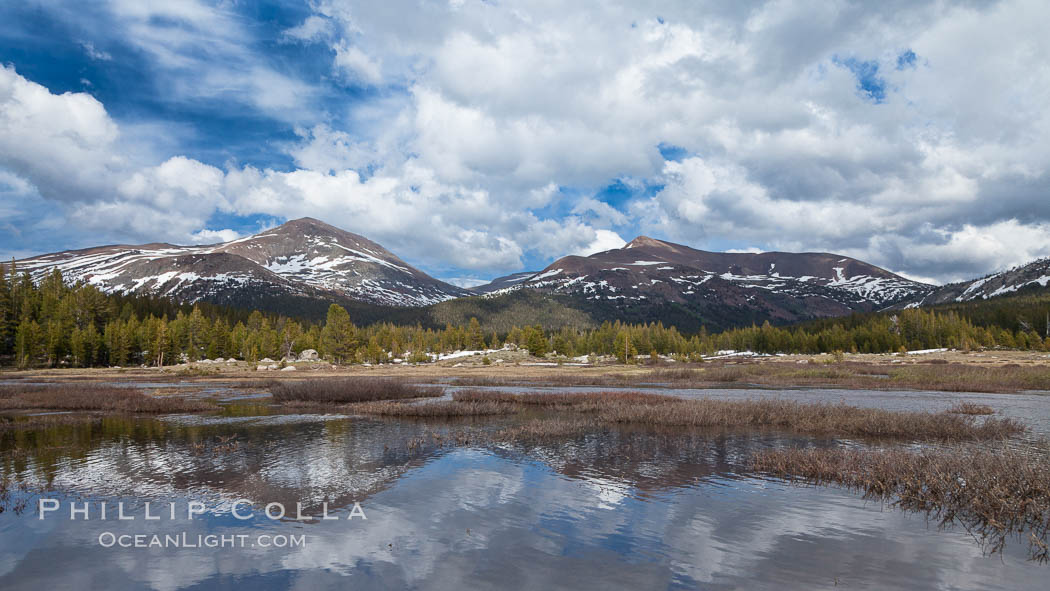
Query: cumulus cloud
{"type": "Point", "coordinates": [63, 143]}
{"type": "Point", "coordinates": [603, 240]}
{"type": "Point", "coordinates": [909, 134]}
{"type": "Point", "coordinates": [357, 65]}
{"type": "Point", "coordinates": [409, 208]}
{"type": "Point", "coordinates": [326, 150]}
{"type": "Point", "coordinates": [860, 128]}
{"type": "Point", "coordinates": [465, 281]}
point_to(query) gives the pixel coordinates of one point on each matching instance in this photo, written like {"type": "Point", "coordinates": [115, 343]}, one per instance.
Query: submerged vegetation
{"type": "Point", "coordinates": [994, 494]}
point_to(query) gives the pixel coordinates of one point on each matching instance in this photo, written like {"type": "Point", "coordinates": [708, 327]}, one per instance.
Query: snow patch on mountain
{"type": "Point", "coordinates": [293, 258]}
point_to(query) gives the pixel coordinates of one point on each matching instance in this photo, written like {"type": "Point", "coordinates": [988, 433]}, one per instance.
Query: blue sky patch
{"type": "Point", "coordinates": [867, 73]}
{"type": "Point", "coordinates": [906, 60]}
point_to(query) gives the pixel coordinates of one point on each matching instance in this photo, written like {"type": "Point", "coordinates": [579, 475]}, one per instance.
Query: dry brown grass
{"type": "Point", "coordinates": [557, 379]}
{"type": "Point", "coordinates": [821, 419]}
{"type": "Point", "coordinates": [537, 430]}
{"type": "Point", "coordinates": [94, 397]}
{"type": "Point", "coordinates": [345, 390]}
{"type": "Point", "coordinates": [440, 409]}
{"type": "Point", "coordinates": [28, 422]}
{"type": "Point", "coordinates": [949, 377]}
{"type": "Point", "coordinates": [911, 375]}
{"type": "Point", "coordinates": [994, 494]}
{"type": "Point", "coordinates": [971, 408]}
{"type": "Point", "coordinates": [554, 400]}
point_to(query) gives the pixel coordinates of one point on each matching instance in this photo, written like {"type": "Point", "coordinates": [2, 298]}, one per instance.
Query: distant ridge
{"type": "Point", "coordinates": [304, 264]}
{"type": "Point", "coordinates": [301, 257]}
{"type": "Point", "coordinates": [654, 275]}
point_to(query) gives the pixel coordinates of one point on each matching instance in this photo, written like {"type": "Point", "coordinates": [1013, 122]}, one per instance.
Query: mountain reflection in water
{"type": "Point", "coordinates": [618, 508]}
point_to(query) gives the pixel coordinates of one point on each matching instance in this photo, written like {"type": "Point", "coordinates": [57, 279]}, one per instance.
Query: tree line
{"type": "Point", "coordinates": [51, 323]}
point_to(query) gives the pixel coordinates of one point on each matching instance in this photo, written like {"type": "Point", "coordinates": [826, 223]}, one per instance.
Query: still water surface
{"type": "Point", "coordinates": [623, 509]}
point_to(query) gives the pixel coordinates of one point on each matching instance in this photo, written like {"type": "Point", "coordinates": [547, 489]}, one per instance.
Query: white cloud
{"type": "Point", "coordinates": [201, 50]}
{"type": "Point", "coordinates": [476, 121]}
{"type": "Point", "coordinates": [314, 28]}
{"type": "Point", "coordinates": [64, 144]}
{"type": "Point", "coordinates": [214, 236]}
{"type": "Point", "coordinates": [94, 53]}
{"type": "Point", "coordinates": [466, 282]}
{"type": "Point", "coordinates": [326, 150]}
{"type": "Point", "coordinates": [603, 240]}
{"type": "Point", "coordinates": [357, 65]}
{"type": "Point", "coordinates": [795, 155]}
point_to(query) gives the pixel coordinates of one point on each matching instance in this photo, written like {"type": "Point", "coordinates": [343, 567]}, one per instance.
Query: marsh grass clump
{"type": "Point", "coordinates": [347, 390]}
{"type": "Point", "coordinates": [821, 419]}
{"type": "Point", "coordinates": [94, 397]}
{"type": "Point", "coordinates": [28, 422]}
{"type": "Point", "coordinates": [955, 377]}
{"type": "Point", "coordinates": [543, 430]}
{"type": "Point", "coordinates": [943, 376]}
{"type": "Point", "coordinates": [675, 374]}
{"type": "Point", "coordinates": [656, 410]}
{"type": "Point", "coordinates": [439, 409]}
{"type": "Point", "coordinates": [592, 400]}
{"type": "Point", "coordinates": [557, 379]}
{"type": "Point", "coordinates": [994, 494]}
{"type": "Point", "coordinates": [971, 408]}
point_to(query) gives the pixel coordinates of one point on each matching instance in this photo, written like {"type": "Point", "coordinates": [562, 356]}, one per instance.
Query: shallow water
{"type": "Point", "coordinates": [624, 509]}
{"type": "Point", "coordinates": [1030, 408]}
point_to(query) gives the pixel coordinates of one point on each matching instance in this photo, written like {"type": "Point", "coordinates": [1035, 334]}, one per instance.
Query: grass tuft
{"type": "Point", "coordinates": [994, 494]}
{"type": "Point", "coordinates": [820, 419]}
{"type": "Point", "coordinates": [345, 390]}
{"type": "Point", "coordinates": [432, 409]}
{"type": "Point", "coordinates": [970, 408]}
{"type": "Point", "coordinates": [94, 397]}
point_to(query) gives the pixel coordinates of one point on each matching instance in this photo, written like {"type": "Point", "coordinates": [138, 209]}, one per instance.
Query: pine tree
{"type": "Point", "coordinates": [7, 310]}
{"type": "Point", "coordinates": [28, 342]}
{"type": "Point", "coordinates": [535, 341]}
{"type": "Point", "coordinates": [338, 336]}
{"type": "Point", "coordinates": [475, 338]}
{"type": "Point", "coordinates": [625, 349]}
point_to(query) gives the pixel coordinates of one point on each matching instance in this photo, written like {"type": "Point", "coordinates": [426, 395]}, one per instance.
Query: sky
{"type": "Point", "coordinates": [475, 139]}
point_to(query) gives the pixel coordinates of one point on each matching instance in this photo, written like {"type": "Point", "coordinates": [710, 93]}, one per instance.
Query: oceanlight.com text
{"type": "Point", "coordinates": [184, 540]}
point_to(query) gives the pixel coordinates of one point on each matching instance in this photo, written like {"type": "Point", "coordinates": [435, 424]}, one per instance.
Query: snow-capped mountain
{"type": "Point", "coordinates": [1034, 275]}
{"type": "Point", "coordinates": [778, 285]}
{"type": "Point", "coordinates": [300, 257]}
{"type": "Point", "coordinates": [306, 263]}
{"type": "Point", "coordinates": [500, 284]}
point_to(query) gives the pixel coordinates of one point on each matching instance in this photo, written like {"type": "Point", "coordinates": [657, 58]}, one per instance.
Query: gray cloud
{"type": "Point", "coordinates": [799, 130]}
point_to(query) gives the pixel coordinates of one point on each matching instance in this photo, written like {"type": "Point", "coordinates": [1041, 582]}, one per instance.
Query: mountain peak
{"type": "Point", "coordinates": [301, 256]}
{"type": "Point", "coordinates": [642, 241]}
{"type": "Point", "coordinates": [304, 225]}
